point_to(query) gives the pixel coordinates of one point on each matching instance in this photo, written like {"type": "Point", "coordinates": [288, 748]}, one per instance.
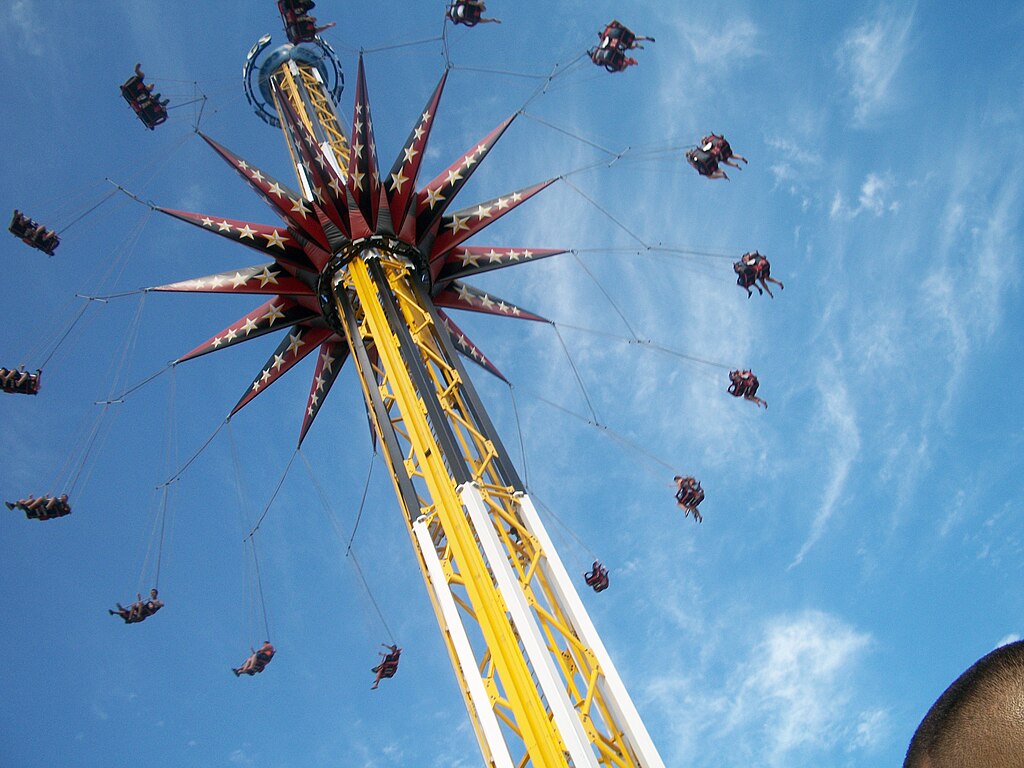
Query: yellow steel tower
{"type": "Point", "coordinates": [364, 268]}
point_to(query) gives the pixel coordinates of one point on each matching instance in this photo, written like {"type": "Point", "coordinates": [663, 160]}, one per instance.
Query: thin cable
{"type": "Point", "coordinates": [646, 343]}
{"type": "Point", "coordinates": [280, 482]}
{"type": "Point", "coordinates": [167, 491]}
{"type": "Point", "coordinates": [401, 45]}
{"type": "Point", "coordinates": [259, 583]}
{"type": "Point", "coordinates": [571, 135]}
{"type": "Point", "coordinates": [120, 398]}
{"type": "Point", "coordinates": [108, 297]}
{"type": "Point", "coordinates": [607, 430]}
{"type": "Point", "coordinates": [564, 526]}
{"type": "Point", "coordinates": [519, 429]}
{"type": "Point", "coordinates": [579, 379]}
{"type": "Point", "coordinates": [177, 475]}
{"type": "Point", "coordinates": [510, 73]}
{"type": "Point", "coordinates": [86, 213]}
{"type": "Point", "coordinates": [606, 295]}
{"type": "Point", "coordinates": [351, 553]}
{"type": "Point", "coordinates": [362, 503]}
{"type": "Point", "coordinates": [66, 333]}
{"type": "Point", "coordinates": [615, 221]}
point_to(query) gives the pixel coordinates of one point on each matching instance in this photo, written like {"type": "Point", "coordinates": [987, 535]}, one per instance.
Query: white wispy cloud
{"type": "Point", "coordinates": [22, 18]}
{"type": "Point", "coordinates": [870, 57]}
{"type": "Point", "coordinates": [874, 197]}
{"type": "Point", "coordinates": [795, 688]}
{"type": "Point", "coordinates": [838, 416]}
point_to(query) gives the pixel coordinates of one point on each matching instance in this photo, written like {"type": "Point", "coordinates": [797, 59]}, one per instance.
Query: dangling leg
{"type": "Point", "coordinates": [778, 282]}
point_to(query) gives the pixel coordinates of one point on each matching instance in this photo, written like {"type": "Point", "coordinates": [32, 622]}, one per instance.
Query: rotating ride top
{"type": "Point", "coordinates": [363, 267]}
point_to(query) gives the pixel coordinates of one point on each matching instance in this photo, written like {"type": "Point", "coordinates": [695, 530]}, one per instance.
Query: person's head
{"type": "Point", "coordinates": [153, 593]}
{"type": "Point", "coordinates": [63, 497]}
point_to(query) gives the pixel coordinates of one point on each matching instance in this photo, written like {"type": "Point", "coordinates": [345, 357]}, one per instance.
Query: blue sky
{"type": "Point", "coordinates": [862, 538]}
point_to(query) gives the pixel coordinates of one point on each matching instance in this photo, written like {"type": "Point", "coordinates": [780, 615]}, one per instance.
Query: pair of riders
{"type": "Point", "coordinates": [388, 665]}
{"type": "Point", "coordinates": [148, 106]}
{"type": "Point", "coordinates": [469, 13]}
{"type": "Point", "coordinates": [744, 384]}
{"type": "Point", "coordinates": [20, 381]}
{"type": "Point", "coordinates": [257, 661]}
{"type": "Point", "coordinates": [298, 24]}
{"type": "Point", "coordinates": [33, 233]}
{"type": "Point", "coordinates": [597, 577]}
{"type": "Point", "coordinates": [689, 495]}
{"type": "Point", "coordinates": [616, 40]}
{"type": "Point", "coordinates": [713, 150]}
{"type": "Point", "coordinates": [140, 610]}
{"type": "Point", "coordinates": [753, 268]}
{"type": "Point", "coordinates": [42, 508]}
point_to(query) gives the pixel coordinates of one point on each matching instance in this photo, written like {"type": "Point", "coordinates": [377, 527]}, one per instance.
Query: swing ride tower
{"type": "Point", "coordinates": [364, 270]}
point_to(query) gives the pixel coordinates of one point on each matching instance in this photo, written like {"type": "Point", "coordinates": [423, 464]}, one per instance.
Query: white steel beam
{"type": "Point", "coordinates": [489, 729]}
{"type": "Point", "coordinates": [612, 688]}
{"type": "Point", "coordinates": [575, 739]}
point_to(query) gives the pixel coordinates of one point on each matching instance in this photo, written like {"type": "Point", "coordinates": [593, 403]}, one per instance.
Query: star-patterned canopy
{"type": "Point", "coordinates": [346, 205]}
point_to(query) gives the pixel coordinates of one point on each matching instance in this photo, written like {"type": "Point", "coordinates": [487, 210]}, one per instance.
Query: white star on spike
{"type": "Point", "coordinates": [265, 377]}
{"type": "Point", "coordinates": [256, 175]}
{"type": "Point", "coordinates": [276, 189]}
{"type": "Point", "coordinates": [249, 327]}
{"type": "Point", "coordinates": [434, 196]}
{"type": "Point", "coordinates": [527, 254]}
{"type": "Point", "coordinates": [465, 294]}
{"type": "Point", "coordinates": [398, 181]}
{"type": "Point", "coordinates": [468, 161]}
{"type": "Point", "coordinates": [357, 126]}
{"type": "Point", "coordinates": [470, 259]}
{"type": "Point", "coordinates": [359, 109]}
{"type": "Point", "coordinates": [410, 153]}
{"type": "Point", "coordinates": [485, 301]}
{"type": "Point", "coordinates": [453, 176]}
{"type": "Point", "coordinates": [217, 341]}
{"type": "Point", "coordinates": [418, 133]}
{"type": "Point", "coordinates": [273, 313]}
{"type": "Point", "coordinates": [458, 223]}
{"type": "Point", "coordinates": [243, 165]}
{"type": "Point", "coordinates": [328, 361]}
{"type": "Point", "coordinates": [274, 240]}
{"type": "Point", "coordinates": [483, 213]}
{"type": "Point", "coordinates": [231, 335]}
{"type": "Point", "coordinates": [299, 206]}
{"type": "Point", "coordinates": [516, 197]}
{"type": "Point", "coordinates": [319, 381]}
{"type": "Point", "coordinates": [335, 186]}
{"type": "Point", "coordinates": [357, 178]}
{"type": "Point", "coordinates": [266, 276]}
{"type": "Point", "coordinates": [311, 410]}
{"type": "Point", "coordinates": [278, 361]}
{"type": "Point", "coordinates": [493, 256]}
{"type": "Point", "coordinates": [256, 386]}
{"type": "Point", "coordinates": [247, 231]}
{"type": "Point", "coordinates": [224, 226]}
{"type": "Point", "coordinates": [515, 311]}
{"type": "Point", "coordinates": [502, 203]}
{"type": "Point", "coordinates": [207, 222]}
{"type": "Point", "coordinates": [357, 148]}
{"type": "Point", "coordinates": [295, 342]}
{"type": "Point", "coordinates": [240, 279]}
{"type": "Point", "coordinates": [426, 117]}
{"type": "Point", "coordinates": [217, 281]}
{"type": "Point", "coordinates": [503, 307]}
{"type": "Point", "coordinates": [480, 149]}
